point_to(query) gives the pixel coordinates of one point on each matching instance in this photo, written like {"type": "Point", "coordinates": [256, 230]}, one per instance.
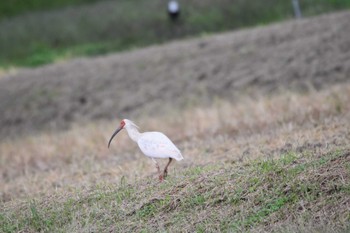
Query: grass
{"type": "Point", "coordinates": [250, 127]}
{"type": "Point", "coordinates": [100, 27]}
{"type": "Point", "coordinates": [18, 7]}
{"type": "Point", "coordinates": [260, 194]}
{"type": "Point", "coordinates": [260, 165]}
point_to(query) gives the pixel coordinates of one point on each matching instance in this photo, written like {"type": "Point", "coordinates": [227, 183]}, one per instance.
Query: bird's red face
{"type": "Point", "coordinates": [121, 126]}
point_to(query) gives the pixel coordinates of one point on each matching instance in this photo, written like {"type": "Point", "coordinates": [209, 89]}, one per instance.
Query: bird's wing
{"type": "Point", "coordinates": [157, 145]}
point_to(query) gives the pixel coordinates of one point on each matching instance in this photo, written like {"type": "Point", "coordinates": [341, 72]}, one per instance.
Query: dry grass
{"type": "Point", "coordinates": [251, 128]}
{"type": "Point", "coordinates": [302, 191]}
{"type": "Point", "coordinates": [7, 71]}
{"type": "Point", "coordinates": [303, 54]}
{"type": "Point", "coordinates": [258, 163]}
{"type": "Point", "coordinates": [278, 163]}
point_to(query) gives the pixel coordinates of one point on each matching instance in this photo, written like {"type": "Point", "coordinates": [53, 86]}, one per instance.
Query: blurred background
{"type": "Point", "coordinates": [37, 32]}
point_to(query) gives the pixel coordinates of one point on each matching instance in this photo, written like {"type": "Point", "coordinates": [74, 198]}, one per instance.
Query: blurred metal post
{"type": "Point", "coordinates": [297, 11]}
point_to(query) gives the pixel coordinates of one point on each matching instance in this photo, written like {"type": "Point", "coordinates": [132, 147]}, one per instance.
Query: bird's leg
{"type": "Point", "coordinates": [165, 173]}
{"type": "Point", "coordinates": [158, 169]}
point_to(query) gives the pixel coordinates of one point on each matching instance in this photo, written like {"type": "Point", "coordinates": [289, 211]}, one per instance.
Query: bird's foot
{"type": "Point", "coordinates": [165, 173]}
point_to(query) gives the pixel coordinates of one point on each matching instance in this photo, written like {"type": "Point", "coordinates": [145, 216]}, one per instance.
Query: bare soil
{"type": "Point", "coordinates": [296, 55]}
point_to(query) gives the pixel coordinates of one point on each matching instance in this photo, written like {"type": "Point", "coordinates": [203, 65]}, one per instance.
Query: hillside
{"type": "Point", "coordinates": [300, 192]}
{"type": "Point", "coordinates": [298, 55]}
{"type": "Point", "coordinates": [261, 117]}
{"type": "Point", "coordinates": [37, 32]}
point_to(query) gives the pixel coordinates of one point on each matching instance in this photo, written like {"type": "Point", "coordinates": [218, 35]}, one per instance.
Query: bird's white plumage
{"type": "Point", "coordinates": [152, 144]}
{"type": "Point", "coordinates": [157, 145]}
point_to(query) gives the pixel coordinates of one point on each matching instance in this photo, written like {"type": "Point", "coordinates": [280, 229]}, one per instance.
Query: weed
{"type": "Point", "coordinates": [288, 158]}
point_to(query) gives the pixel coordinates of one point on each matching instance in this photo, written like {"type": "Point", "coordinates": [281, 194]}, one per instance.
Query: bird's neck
{"type": "Point", "coordinates": [134, 134]}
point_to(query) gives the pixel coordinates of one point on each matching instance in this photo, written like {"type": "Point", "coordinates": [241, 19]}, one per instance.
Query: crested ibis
{"type": "Point", "coordinates": [153, 144]}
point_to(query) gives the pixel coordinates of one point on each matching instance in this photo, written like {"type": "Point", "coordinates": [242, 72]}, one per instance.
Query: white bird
{"type": "Point", "coordinates": [153, 144]}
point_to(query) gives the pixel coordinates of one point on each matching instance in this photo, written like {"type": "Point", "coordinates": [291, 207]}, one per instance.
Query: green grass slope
{"type": "Point", "coordinates": [306, 191]}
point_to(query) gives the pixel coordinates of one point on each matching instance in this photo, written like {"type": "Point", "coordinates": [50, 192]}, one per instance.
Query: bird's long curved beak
{"type": "Point", "coordinates": [115, 133]}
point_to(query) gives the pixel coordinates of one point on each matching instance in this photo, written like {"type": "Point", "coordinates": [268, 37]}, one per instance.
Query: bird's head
{"type": "Point", "coordinates": [123, 124]}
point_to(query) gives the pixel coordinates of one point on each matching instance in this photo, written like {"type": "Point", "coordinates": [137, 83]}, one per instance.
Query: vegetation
{"type": "Point", "coordinates": [286, 170]}
{"type": "Point", "coordinates": [17, 7]}
{"type": "Point", "coordinates": [71, 29]}
{"type": "Point", "coordinates": [267, 194]}
{"type": "Point", "coordinates": [258, 161]}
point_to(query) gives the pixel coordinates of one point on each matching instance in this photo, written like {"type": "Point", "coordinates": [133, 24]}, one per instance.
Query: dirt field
{"type": "Point", "coordinates": [297, 55]}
